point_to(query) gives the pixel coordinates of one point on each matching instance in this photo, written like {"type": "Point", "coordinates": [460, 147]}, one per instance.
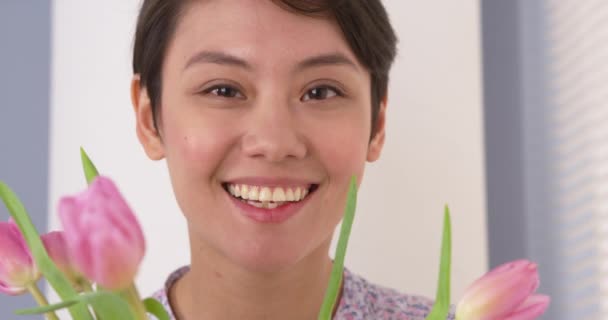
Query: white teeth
{"type": "Point", "coordinates": [256, 204]}
{"type": "Point", "coordinates": [253, 193]}
{"type": "Point", "coordinates": [265, 195]}
{"type": "Point", "coordinates": [278, 195]}
{"type": "Point", "coordinates": [245, 192]}
{"type": "Point", "coordinates": [289, 195]}
{"type": "Point", "coordinates": [265, 205]}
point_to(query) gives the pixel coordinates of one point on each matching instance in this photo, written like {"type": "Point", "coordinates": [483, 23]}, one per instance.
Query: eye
{"type": "Point", "coordinates": [321, 93]}
{"type": "Point", "coordinates": [224, 91]}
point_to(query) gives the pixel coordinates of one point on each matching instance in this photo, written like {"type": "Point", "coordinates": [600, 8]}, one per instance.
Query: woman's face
{"type": "Point", "coordinates": [263, 104]}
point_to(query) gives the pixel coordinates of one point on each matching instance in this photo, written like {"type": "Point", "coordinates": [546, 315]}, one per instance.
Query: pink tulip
{"type": "Point", "coordinates": [17, 268]}
{"type": "Point", "coordinates": [55, 245]}
{"type": "Point", "coordinates": [504, 293]}
{"type": "Point", "coordinates": [532, 308]}
{"type": "Point", "coordinates": [104, 239]}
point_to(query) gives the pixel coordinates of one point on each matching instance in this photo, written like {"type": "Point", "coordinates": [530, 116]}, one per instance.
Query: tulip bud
{"type": "Point", "coordinates": [532, 308]}
{"type": "Point", "coordinates": [17, 268]}
{"type": "Point", "coordinates": [104, 239]}
{"type": "Point", "coordinates": [504, 293]}
{"type": "Point", "coordinates": [55, 245]}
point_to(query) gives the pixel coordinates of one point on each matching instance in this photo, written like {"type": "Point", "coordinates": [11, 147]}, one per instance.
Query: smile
{"type": "Point", "coordinates": [267, 197]}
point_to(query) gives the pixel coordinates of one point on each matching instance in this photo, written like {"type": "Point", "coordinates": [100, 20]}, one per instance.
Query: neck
{"type": "Point", "coordinates": [225, 291]}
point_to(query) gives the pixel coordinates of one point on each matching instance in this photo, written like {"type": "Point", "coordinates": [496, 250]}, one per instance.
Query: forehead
{"type": "Point", "coordinates": [259, 31]}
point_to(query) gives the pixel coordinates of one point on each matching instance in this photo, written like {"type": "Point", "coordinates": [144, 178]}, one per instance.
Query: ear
{"type": "Point", "coordinates": [377, 143]}
{"type": "Point", "coordinates": [147, 134]}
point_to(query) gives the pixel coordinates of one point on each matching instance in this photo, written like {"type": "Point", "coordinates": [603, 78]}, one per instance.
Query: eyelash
{"type": "Point", "coordinates": [236, 92]}
{"type": "Point", "coordinates": [223, 86]}
{"type": "Point", "coordinates": [337, 92]}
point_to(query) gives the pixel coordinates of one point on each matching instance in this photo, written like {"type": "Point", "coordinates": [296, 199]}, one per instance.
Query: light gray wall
{"type": "Point", "coordinates": [540, 210]}
{"type": "Point", "coordinates": [24, 99]}
{"type": "Point", "coordinates": [516, 110]}
{"type": "Point", "coordinates": [503, 115]}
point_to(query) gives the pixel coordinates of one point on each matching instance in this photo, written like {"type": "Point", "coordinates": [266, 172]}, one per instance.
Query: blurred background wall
{"type": "Point", "coordinates": [496, 108]}
{"type": "Point", "coordinates": [546, 109]}
{"type": "Point", "coordinates": [25, 63]}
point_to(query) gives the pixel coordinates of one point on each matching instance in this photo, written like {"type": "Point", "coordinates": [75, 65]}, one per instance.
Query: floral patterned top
{"type": "Point", "coordinates": [361, 300]}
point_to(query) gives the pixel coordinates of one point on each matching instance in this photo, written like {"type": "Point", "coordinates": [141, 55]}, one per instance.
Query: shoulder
{"type": "Point", "coordinates": [362, 299]}
{"type": "Point", "coordinates": [162, 294]}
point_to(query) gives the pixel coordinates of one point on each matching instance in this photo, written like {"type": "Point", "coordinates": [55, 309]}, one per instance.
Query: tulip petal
{"type": "Point", "coordinates": [57, 248]}
{"type": "Point", "coordinates": [499, 292]}
{"type": "Point", "coordinates": [105, 240]}
{"type": "Point", "coordinates": [531, 309]}
{"type": "Point", "coordinates": [75, 232]}
{"type": "Point", "coordinates": [11, 290]}
{"type": "Point", "coordinates": [122, 214]}
{"type": "Point", "coordinates": [119, 268]}
{"type": "Point", "coordinates": [17, 269]}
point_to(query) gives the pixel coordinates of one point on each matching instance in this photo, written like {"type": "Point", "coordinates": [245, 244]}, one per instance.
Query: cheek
{"type": "Point", "coordinates": [344, 156]}
{"type": "Point", "coordinates": [194, 145]}
{"type": "Point", "coordinates": [342, 145]}
{"type": "Point", "coordinates": [194, 148]}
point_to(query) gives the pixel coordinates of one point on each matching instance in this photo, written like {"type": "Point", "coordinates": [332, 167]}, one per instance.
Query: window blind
{"type": "Point", "coordinates": [577, 75]}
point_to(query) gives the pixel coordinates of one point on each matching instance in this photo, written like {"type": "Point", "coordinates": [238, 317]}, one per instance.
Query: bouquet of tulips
{"type": "Point", "coordinates": [92, 263]}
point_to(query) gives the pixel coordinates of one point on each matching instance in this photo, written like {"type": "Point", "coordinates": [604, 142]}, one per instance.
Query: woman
{"type": "Point", "coordinates": [263, 110]}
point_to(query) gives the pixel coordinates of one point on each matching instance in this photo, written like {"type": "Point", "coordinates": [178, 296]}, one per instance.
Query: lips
{"type": "Point", "coordinates": [269, 203]}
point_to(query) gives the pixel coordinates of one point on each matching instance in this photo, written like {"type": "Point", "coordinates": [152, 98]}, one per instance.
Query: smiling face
{"type": "Point", "coordinates": [265, 116]}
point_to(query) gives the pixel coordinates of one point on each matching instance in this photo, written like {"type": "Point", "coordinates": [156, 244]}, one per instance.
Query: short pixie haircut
{"type": "Point", "coordinates": [364, 23]}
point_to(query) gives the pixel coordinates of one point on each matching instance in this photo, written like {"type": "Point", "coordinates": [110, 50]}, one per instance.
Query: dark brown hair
{"type": "Point", "coordinates": [364, 23]}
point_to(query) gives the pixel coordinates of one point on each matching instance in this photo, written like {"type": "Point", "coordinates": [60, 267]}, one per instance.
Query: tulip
{"type": "Point", "coordinates": [17, 269]}
{"type": "Point", "coordinates": [56, 247]}
{"type": "Point", "coordinates": [104, 239]}
{"type": "Point", "coordinates": [504, 293]}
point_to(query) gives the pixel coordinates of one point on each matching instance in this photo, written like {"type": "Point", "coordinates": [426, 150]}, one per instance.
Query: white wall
{"type": "Point", "coordinates": [434, 153]}
{"type": "Point", "coordinates": [433, 156]}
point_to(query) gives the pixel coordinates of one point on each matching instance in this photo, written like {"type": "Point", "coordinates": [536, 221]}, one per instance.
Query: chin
{"type": "Point", "coordinates": [267, 261]}
{"type": "Point", "coordinates": [267, 265]}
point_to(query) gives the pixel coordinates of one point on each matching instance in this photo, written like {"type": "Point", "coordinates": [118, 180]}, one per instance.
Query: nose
{"type": "Point", "coordinates": [272, 133]}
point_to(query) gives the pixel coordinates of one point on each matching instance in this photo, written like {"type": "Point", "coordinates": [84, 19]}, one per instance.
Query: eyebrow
{"type": "Point", "coordinates": [326, 60]}
{"type": "Point", "coordinates": [217, 57]}
{"type": "Point", "coordinates": [222, 58]}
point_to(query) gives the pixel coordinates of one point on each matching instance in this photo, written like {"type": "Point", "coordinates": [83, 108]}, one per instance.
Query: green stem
{"type": "Point", "coordinates": [333, 289]}
{"type": "Point", "coordinates": [87, 287]}
{"type": "Point", "coordinates": [41, 300]}
{"type": "Point", "coordinates": [132, 296]}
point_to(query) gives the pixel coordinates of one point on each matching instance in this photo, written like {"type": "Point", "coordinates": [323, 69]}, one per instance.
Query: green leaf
{"type": "Point", "coordinates": [45, 309]}
{"type": "Point", "coordinates": [46, 266]}
{"type": "Point", "coordinates": [333, 289]}
{"type": "Point", "coordinates": [442, 301]}
{"type": "Point", "coordinates": [90, 171]}
{"type": "Point", "coordinates": [108, 305]}
{"type": "Point", "coordinates": [154, 307]}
